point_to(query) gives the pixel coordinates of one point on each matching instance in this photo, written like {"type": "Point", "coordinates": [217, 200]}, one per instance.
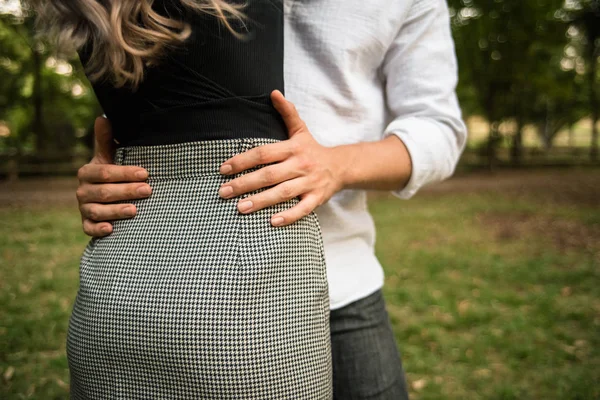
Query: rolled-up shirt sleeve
{"type": "Point", "coordinates": [420, 69]}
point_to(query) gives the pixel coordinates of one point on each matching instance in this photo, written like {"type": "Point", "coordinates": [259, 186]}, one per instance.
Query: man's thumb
{"type": "Point", "coordinates": [104, 146]}
{"type": "Point", "coordinates": [288, 112]}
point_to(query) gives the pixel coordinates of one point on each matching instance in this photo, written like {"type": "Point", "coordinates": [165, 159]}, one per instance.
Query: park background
{"type": "Point", "coordinates": [492, 278]}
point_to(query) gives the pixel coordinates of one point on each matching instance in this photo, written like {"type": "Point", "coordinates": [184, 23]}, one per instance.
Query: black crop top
{"type": "Point", "coordinates": [214, 86]}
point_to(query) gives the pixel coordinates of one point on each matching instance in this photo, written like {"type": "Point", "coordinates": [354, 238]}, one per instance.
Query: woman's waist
{"type": "Point", "coordinates": [188, 159]}
{"type": "Point", "coordinates": [222, 119]}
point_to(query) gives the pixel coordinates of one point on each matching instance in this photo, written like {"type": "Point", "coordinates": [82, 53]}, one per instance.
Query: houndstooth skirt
{"type": "Point", "coordinates": [193, 300]}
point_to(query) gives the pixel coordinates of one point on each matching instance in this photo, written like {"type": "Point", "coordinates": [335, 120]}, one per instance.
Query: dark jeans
{"type": "Point", "coordinates": [366, 363]}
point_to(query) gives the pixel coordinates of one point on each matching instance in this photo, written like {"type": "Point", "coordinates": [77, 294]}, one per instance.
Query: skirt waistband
{"type": "Point", "coordinates": [186, 160]}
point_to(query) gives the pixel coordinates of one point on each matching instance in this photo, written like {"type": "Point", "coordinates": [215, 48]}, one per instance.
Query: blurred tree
{"type": "Point", "coordinates": [12, 81]}
{"type": "Point", "coordinates": [44, 100]}
{"type": "Point", "coordinates": [528, 62]}
{"type": "Point", "coordinates": [510, 54]}
{"type": "Point", "coordinates": [560, 103]}
{"type": "Point", "coordinates": [584, 16]}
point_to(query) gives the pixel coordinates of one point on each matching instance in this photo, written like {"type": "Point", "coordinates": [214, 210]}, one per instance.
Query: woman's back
{"type": "Point", "coordinates": [213, 86]}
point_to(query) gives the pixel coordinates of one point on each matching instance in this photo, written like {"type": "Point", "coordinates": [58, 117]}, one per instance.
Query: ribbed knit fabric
{"type": "Point", "coordinates": [214, 86]}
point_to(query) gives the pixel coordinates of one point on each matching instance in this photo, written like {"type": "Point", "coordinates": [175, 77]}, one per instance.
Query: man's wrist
{"type": "Point", "coordinates": [344, 159]}
{"type": "Point", "coordinates": [381, 165]}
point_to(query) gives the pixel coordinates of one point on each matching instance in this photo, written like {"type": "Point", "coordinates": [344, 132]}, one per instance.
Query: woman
{"type": "Point", "coordinates": [191, 299]}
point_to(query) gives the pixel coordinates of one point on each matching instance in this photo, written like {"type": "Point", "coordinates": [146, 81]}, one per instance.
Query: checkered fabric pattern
{"type": "Point", "coordinates": [193, 300]}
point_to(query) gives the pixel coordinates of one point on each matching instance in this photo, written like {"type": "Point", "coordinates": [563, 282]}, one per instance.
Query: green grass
{"type": "Point", "coordinates": [483, 314]}
{"type": "Point", "coordinates": [39, 255]}
{"type": "Point", "coordinates": [491, 296]}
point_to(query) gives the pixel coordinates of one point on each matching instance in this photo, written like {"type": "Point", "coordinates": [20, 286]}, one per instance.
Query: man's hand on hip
{"type": "Point", "coordinates": [301, 167]}
{"type": "Point", "coordinates": [102, 182]}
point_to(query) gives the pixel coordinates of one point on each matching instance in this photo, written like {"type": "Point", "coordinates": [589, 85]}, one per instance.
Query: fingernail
{"type": "Point", "coordinates": [141, 174]}
{"type": "Point", "coordinates": [225, 191]}
{"type": "Point", "coordinates": [245, 206]}
{"type": "Point", "coordinates": [105, 229]}
{"type": "Point", "coordinates": [277, 221]}
{"type": "Point", "coordinates": [144, 191]}
{"type": "Point", "coordinates": [128, 211]}
{"type": "Point", "coordinates": [225, 169]}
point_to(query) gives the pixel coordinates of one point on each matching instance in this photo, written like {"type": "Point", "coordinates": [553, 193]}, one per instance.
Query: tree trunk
{"type": "Point", "coordinates": [547, 133]}
{"type": "Point", "coordinates": [516, 153]}
{"type": "Point", "coordinates": [593, 100]}
{"type": "Point", "coordinates": [594, 104]}
{"type": "Point", "coordinates": [13, 168]}
{"type": "Point", "coordinates": [572, 136]}
{"type": "Point", "coordinates": [594, 149]}
{"type": "Point", "coordinates": [38, 126]}
{"type": "Point", "coordinates": [491, 145]}
{"type": "Point", "coordinates": [493, 134]}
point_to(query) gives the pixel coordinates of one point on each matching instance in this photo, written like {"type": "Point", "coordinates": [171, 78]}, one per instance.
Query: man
{"type": "Point", "coordinates": [375, 84]}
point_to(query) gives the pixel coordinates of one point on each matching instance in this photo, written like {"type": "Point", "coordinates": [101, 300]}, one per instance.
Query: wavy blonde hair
{"type": "Point", "coordinates": [124, 35]}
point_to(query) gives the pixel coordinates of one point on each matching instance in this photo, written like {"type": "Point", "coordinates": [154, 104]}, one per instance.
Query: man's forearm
{"type": "Point", "coordinates": [381, 165]}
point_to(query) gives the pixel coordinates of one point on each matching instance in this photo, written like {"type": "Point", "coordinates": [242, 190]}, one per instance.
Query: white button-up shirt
{"type": "Point", "coordinates": [360, 70]}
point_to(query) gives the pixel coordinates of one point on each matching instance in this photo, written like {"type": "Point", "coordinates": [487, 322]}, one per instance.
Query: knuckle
{"type": "Point", "coordinates": [80, 193]}
{"type": "Point", "coordinates": [261, 154]}
{"type": "Point", "coordinates": [233, 162]}
{"type": "Point", "coordinates": [239, 186]}
{"type": "Point", "coordinates": [84, 212]}
{"type": "Point", "coordinates": [132, 192]}
{"type": "Point", "coordinates": [104, 174]}
{"type": "Point", "coordinates": [93, 213]}
{"type": "Point", "coordinates": [294, 146]}
{"type": "Point", "coordinates": [286, 191]}
{"type": "Point", "coordinates": [305, 163]}
{"type": "Point", "coordinates": [81, 172]}
{"type": "Point", "coordinates": [103, 194]}
{"type": "Point", "coordinates": [269, 176]}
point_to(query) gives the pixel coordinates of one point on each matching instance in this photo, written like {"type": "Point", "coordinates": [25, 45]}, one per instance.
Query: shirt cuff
{"type": "Point", "coordinates": [428, 147]}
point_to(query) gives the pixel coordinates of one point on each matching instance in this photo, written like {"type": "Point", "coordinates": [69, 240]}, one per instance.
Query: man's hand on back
{"type": "Point", "coordinates": [102, 182]}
